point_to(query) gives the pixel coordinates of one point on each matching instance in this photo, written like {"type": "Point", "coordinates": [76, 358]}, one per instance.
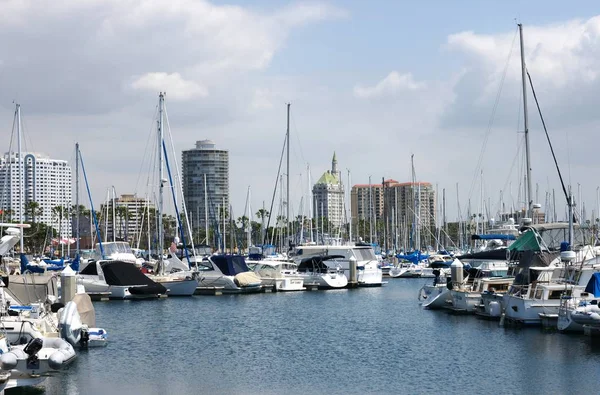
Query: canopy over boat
{"type": "Point", "coordinates": [230, 265]}
{"type": "Point", "coordinates": [120, 273]}
{"type": "Point", "coordinates": [317, 263]}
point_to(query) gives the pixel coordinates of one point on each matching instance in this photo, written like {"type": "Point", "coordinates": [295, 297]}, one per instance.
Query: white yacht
{"type": "Point", "coordinates": [281, 275]}
{"type": "Point", "coordinates": [488, 276]}
{"type": "Point", "coordinates": [229, 272]}
{"type": "Point", "coordinates": [325, 271]}
{"type": "Point", "coordinates": [544, 276]}
{"type": "Point", "coordinates": [369, 273]}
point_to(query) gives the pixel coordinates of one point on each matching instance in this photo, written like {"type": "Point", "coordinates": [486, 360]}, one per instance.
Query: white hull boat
{"type": "Point", "coordinates": [324, 271]}
{"type": "Point", "coordinates": [435, 296]}
{"type": "Point", "coordinates": [228, 272]}
{"type": "Point", "coordinates": [281, 275]}
{"type": "Point", "coordinates": [368, 273]}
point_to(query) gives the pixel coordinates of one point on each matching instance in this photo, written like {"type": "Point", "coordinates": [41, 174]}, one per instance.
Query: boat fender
{"type": "Point", "coordinates": [9, 360]}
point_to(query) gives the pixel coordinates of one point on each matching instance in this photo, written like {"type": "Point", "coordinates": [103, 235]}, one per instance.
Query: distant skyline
{"type": "Point", "coordinates": [373, 81]}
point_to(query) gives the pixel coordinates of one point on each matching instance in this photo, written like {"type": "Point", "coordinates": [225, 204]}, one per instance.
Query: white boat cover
{"type": "Point", "coordinates": [85, 308]}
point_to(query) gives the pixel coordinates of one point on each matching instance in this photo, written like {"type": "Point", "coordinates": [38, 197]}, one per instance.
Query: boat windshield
{"type": "Point", "coordinates": [364, 254]}
{"type": "Point", "coordinates": [116, 247]}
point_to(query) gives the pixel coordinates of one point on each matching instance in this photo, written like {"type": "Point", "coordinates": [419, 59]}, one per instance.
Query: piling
{"type": "Point", "coordinates": [68, 285]}
{"type": "Point", "coordinates": [352, 281]}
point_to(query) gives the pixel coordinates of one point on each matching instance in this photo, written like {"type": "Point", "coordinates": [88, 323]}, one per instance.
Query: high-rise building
{"type": "Point", "coordinates": [328, 196]}
{"type": "Point", "coordinates": [205, 165]}
{"type": "Point", "coordinates": [131, 217]}
{"type": "Point", "coordinates": [366, 201]}
{"type": "Point", "coordinates": [396, 206]}
{"type": "Point", "coordinates": [46, 182]}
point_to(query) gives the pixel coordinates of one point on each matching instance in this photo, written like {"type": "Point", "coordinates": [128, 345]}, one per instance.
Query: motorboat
{"type": "Point", "coordinates": [575, 312]}
{"type": "Point", "coordinates": [122, 280]}
{"type": "Point", "coordinates": [369, 273]}
{"type": "Point", "coordinates": [436, 295]}
{"type": "Point", "coordinates": [489, 276]}
{"type": "Point", "coordinates": [325, 271]}
{"type": "Point", "coordinates": [228, 272]}
{"type": "Point", "coordinates": [43, 316]}
{"type": "Point", "coordinates": [547, 272]}
{"type": "Point", "coordinates": [281, 275]}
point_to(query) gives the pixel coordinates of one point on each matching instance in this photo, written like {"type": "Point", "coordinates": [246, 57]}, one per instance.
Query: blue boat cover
{"type": "Point", "coordinates": [25, 266]}
{"type": "Point", "coordinates": [414, 257]}
{"type": "Point", "coordinates": [593, 286]}
{"type": "Point", "coordinates": [230, 265]}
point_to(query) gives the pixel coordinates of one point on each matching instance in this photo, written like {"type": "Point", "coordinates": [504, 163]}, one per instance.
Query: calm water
{"type": "Point", "coordinates": [336, 342]}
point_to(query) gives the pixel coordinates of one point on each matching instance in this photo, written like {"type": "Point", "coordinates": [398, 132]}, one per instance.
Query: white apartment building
{"type": "Point", "coordinates": [328, 196]}
{"type": "Point", "coordinates": [46, 181]}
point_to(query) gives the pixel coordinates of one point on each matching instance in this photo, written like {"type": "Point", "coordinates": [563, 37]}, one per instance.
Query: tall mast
{"type": "Point", "coordinates": [21, 166]}
{"type": "Point", "coordinates": [248, 224]}
{"type": "Point", "coordinates": [287, 196]}
{"type": "Point", "coordinates": [159, 232]}
{"type": "Point", "coordinates": [205, 210]}
{"type": "Point", "coordinates": [370, 211]}
{"type": "Point", "coordinates": [350, 199]}
{"type": "Point", "coordinates": [526, 122]}
{"type": "Point", "coordinates": [77, 198]}
{"type": "Point", "coordinates": [114, 226]}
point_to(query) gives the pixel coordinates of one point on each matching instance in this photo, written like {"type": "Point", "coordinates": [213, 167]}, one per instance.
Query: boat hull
{"type": "Point", "coordinates": [434, 296]}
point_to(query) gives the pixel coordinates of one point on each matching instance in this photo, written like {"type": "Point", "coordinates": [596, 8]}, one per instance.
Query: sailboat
{"type": "Point", "coordinates": [173, 274]}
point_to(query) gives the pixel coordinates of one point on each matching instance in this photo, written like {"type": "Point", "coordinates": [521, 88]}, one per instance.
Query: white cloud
{"type": "Point", "coordinates": [92, 48]}
{"type": "Point", "coordinates": [173, 84]}
{"type": "Point", "coordinates": [390, 85]}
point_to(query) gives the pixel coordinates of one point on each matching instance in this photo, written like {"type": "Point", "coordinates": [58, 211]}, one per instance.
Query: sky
{"type": "Point", "coordinates": [375, 82]}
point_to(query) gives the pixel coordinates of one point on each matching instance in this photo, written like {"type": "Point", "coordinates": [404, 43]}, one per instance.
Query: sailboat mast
{"type": "Point", "coordinates": [21, 165]}
{"type": "Point", "coordinates": [114, 226]}
{"type": "Point", "coordinates": [159, 232]}
{"type": "Point", "coordinates": [205, 210]}
{"type": "Point", "coordinates": [287, 196]}
{"type": "Point", "coordinates": [77, 199]}
{"type": "Point", "coordinates": [526, 124]}
{"type": "Point", "coordinates": [350, 200]}
{"type": "Point", "coordinates": [248, 224]}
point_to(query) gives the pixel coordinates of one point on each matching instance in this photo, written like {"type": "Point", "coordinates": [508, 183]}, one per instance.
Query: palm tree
{"type": "Point", "coordinates": [33, 210]}
{"type": "Point", "coordinates": [120, 212]}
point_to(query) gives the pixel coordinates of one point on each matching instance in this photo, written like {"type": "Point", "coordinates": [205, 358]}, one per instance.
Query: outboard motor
{"type": "Point", "coordinates": [32, 348]}
{"type": "Point", "coordinates": [85, 337]}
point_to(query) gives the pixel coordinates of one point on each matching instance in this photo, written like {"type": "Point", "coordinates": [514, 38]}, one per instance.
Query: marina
{"type": "Point", "coordinates": [327, 335]}
{"type": "Point", "coordinates": [324, 197]}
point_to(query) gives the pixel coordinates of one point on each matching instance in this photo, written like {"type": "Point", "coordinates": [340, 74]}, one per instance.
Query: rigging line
{"type": "Point", "coordinates": [297, 136]}
{"type": "Point", "coordinates": [492, 117]}
{"type": "Point", "coordinates": [150, 138]}
{"type": "Point", "coordinates": [548, 138]}
{"type": "Point", "coordinates": [275, 189]}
